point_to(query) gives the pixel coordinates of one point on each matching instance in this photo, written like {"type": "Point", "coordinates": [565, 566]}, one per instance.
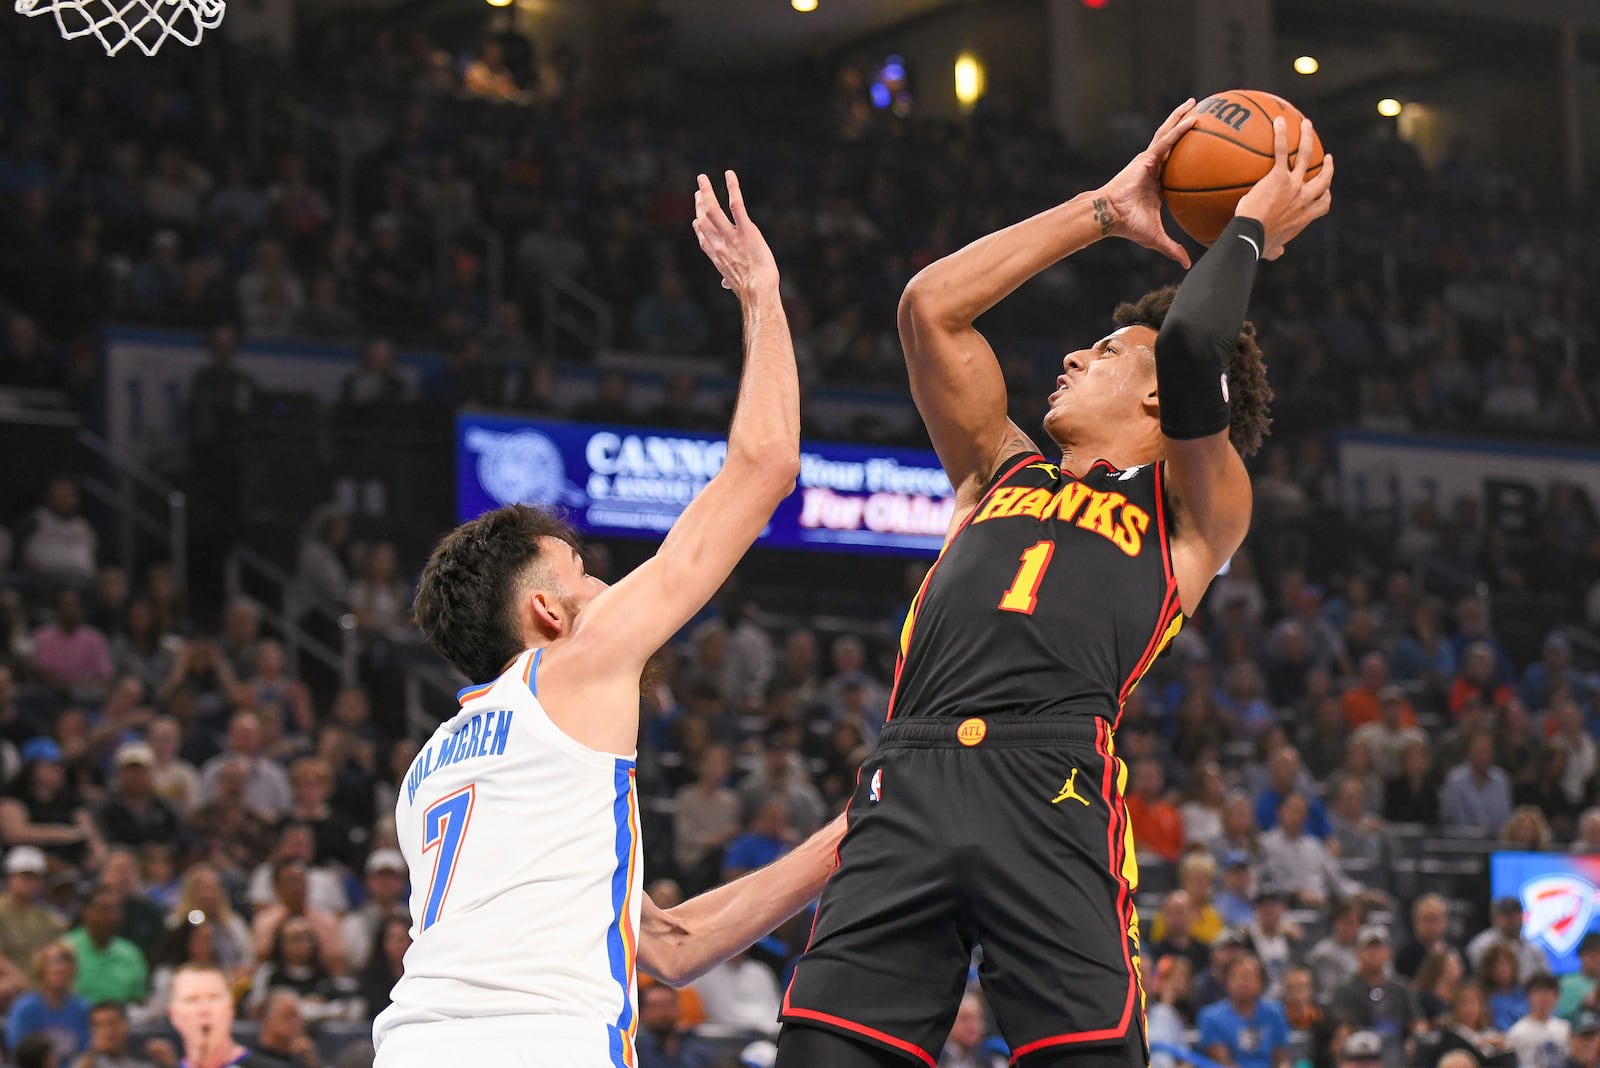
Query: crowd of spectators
{"type": "Point", "coordinates": [176, 792]}
{"type": "Point", "coordinates": [176, 795]}
{"type": "Point", "coordinates": [1439, 299]}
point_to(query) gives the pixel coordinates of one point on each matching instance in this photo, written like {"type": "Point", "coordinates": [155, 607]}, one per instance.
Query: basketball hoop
{"type": "Point", "coordinates": [145, 23]}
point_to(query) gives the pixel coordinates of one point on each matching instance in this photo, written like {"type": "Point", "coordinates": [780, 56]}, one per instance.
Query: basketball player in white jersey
{"type": "Point", "coordinates": [519, 818]}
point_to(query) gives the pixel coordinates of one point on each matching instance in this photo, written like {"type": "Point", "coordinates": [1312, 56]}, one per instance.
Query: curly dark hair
{"type": "Point", "coordinates": [464, 601]}
{"type": "Point", "coordinates": [1250, 395]}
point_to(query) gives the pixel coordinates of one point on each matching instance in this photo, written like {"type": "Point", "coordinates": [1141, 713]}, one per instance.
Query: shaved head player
{"type": "Point", "coordinates": [519, 818]}
{"type": "Point", "coordinates": [992, 812]}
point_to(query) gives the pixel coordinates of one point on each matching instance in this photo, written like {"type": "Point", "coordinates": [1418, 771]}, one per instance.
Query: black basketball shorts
{"type": "Point", "coordinates": [1005, 832]}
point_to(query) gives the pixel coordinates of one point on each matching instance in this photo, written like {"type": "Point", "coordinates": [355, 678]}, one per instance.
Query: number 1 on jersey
{"type": "Point", "coordinates": [1023, 596]}
{"type": "Point", "coordinates": [444, 824]}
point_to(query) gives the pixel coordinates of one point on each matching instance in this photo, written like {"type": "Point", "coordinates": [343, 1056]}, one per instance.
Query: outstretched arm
{"type": "Point", "coordinates": [955, 378]}
{"type": "Point", "coordinates": [624, 626]}
{"type": "Point", "coordinates": [681, 944]}
{"type": "Point", "coordinates": [1206, 478]}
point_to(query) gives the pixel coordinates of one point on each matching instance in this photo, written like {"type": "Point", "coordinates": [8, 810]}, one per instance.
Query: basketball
{"type": "Point", "coordinates": [1226, 152]}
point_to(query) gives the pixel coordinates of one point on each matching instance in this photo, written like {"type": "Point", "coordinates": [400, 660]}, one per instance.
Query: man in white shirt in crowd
{"type": "Point", "coordinates": [740, 997]}
{"type": "Point", "coordinates": [58, 544]}
{"type": "Point", "coordinates": [1299, 863]}
{"type": "Point", "coordinates": [1540, 1038]}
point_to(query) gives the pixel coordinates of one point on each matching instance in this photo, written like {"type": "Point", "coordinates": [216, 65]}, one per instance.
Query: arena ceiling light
{"type": "Point", "coordinates": [500, 3]}
{"type": "Point", "coordinates": [803, 5]}
{"type": "Point", "coordinates": [1307, 65]}
{"type": "Point", "coordinates": [1389, 107]}
{"type": "Point", "coordinates": [971, 80]}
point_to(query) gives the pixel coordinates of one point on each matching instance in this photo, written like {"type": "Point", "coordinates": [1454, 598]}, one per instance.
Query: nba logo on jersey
{"type": "Point", "coordinates": [875, 791]}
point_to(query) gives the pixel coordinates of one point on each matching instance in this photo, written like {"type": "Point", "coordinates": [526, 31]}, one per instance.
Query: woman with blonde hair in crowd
{"type": "Point", "coordinates": [204, 900]}
{"type": "Point", "coordinates": [1526, 829]}
{"type": "Point", "coordinates": [1197, 874]}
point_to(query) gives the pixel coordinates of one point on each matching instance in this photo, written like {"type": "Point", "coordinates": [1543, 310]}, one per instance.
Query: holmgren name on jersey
{"type": "Point", "coordinates": [485, 734]}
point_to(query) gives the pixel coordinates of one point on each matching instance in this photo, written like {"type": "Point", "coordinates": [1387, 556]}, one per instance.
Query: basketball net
{"type": "Point", "coordinates": [145, 23]}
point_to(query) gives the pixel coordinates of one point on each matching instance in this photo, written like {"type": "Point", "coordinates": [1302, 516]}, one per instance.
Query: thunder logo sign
{"type": "Point", "coordinates": [1558, 900]}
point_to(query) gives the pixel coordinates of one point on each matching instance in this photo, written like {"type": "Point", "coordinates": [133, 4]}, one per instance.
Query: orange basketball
{"type": "Point", "coordinates": [1226, 152]}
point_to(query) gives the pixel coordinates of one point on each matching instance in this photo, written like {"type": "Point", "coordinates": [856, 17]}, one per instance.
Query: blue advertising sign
{"type": "Point", "coordinates": [630, 482]}
{"type": "Point", "coordinates": [1558, 894]}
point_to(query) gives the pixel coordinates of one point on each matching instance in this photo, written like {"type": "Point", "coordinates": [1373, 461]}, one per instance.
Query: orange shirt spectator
{"type": "Point", "coordinates": [1157, 826]}
{"type": "Point", "coordinates": [1477, 679]}
{"type": "Point", "coordinates": [1361, 702]}
{"type": "Point", "coordinates": [1361, 706]}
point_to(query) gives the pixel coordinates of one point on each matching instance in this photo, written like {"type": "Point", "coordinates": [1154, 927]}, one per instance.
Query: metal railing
{"type": "Point", "coordinates": [121, 496]}
{"type": "Point", "coordinates": [287, 616]}
{"type": "Point", "coordinates": [576, 314]}
{"type": "Point", "coordinates": [428, 686]}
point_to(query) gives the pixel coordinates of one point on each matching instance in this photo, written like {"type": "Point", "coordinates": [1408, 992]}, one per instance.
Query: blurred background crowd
{"type": "Point", "coordinates": [1369, 703]}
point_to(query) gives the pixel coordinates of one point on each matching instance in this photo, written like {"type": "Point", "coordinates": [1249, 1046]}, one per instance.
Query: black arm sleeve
{"type": "Point", "coordinates": [1200, 331]}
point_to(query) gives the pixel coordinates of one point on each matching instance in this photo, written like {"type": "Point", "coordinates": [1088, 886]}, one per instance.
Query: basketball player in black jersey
{"type": "Point", "coordinates": [992, 812]}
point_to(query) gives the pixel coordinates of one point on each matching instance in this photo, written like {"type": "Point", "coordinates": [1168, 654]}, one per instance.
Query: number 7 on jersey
{"type": "Point", "coordinates": [444, 825]}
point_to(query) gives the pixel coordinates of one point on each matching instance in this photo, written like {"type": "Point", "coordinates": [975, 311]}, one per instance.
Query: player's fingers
{"type": "Point", "coordinates": [735, 199]}
{"type": "Point", "coordinates": [1165, 142]}
{"type": "Point", "coordinates": [710, 207]}
{"type": "Point", "coordinates": [1179, 113]}
{"type": "Point", "coordinates": [1322, 181]}
{"type": "Point", "coordinates": [1302, 155]}
{"type": "Point", "coordinates": [708, 245]}
{"type": "Point", "coordinates": [702, 198]}
{"type": "Point", "coordinates": [1280, 142]}
{"type": "Point", "coordinates": [1172, 250]}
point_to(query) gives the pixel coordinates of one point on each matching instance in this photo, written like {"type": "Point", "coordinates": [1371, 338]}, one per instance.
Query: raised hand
{"type": "Point", "coordinates": [1285, 201]}
{"type": "Point", "coordinates": [1132, 200]}
{"type": "Point", "coordinates": [734, 246]}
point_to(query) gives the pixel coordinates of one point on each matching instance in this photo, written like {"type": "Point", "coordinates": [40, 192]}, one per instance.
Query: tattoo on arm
{"type": "Point", "coordinates": [1019, 442]}
{"type": "Point", "coordinates": [1104, 215]}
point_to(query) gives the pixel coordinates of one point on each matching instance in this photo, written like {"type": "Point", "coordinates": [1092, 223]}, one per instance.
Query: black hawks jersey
{"type": "Point", "coordinates": [1053, 598]}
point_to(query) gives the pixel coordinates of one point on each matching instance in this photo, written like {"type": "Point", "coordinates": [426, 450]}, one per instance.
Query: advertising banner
{"type": "Point", "coordinates": [1558, 900]}
{"type": "Point", "coordinates": [624, 481]}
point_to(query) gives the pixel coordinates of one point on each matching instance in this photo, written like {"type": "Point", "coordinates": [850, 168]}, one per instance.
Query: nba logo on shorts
{"type": "Point", "coordinates": [1557, 910]}
{"type": "Point", "coordinates": [875, 791]}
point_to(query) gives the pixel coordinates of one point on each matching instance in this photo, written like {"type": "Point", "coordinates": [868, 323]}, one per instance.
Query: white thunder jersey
{"type": "Point", "coordinates": [526, 879]}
